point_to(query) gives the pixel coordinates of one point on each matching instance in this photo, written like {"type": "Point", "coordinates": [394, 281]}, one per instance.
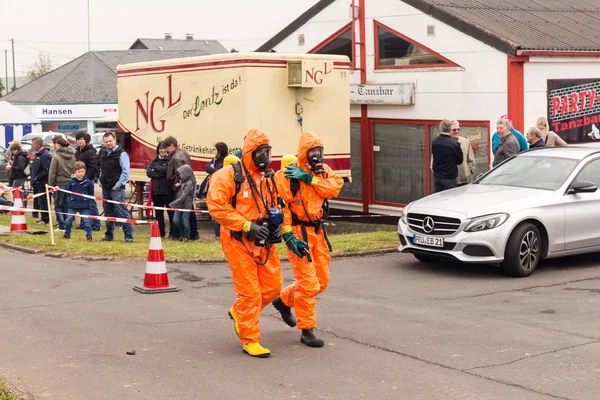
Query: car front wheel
{"type": "Point", "coordinates": [523, 251]}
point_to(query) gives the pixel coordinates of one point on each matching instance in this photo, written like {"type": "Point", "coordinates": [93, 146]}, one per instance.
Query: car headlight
{"type": "Point", "coordinates": [404, 217]}
{"type": "Point", "coordinates": [486, 222]}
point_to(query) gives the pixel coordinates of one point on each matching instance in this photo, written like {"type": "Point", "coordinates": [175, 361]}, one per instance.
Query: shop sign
{"type": "Point", "coordinates": [72, 112]}
{"type": "Point", "coordinates": [399, 94]}
{"type": "Point", "coordinates": [574, 109]}
{"type": "Point", "coordinates": [64, 126]}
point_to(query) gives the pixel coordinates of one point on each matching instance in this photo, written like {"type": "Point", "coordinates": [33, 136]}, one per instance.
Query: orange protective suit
{"type": "Point", "coordinates": [311, 278]}
{"type": "Point", "coordinates": [255, 285]}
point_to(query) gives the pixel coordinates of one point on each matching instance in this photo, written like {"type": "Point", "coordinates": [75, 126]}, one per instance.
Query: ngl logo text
{"type": "Point", "coordinates": [154, 106]}
{"type": "Point", "coordinates": [315, 75]}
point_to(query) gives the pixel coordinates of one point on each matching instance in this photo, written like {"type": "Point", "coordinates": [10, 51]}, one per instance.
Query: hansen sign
{"type": "Point", "coordinates": [72, 112]}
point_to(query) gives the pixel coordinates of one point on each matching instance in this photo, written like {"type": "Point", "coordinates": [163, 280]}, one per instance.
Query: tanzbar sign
{"type": "Point", "coordinates": [574, 109]}
{"type": "Point", "coordinates": [400, 94]}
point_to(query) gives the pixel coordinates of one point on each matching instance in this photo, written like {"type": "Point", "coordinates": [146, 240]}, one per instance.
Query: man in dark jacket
{"type": "Point", "coordinates": [534, 138]}
{"type": "Point", "coordinates": [179, 157]}
{"type": "Point", "coordinates": [162, 193]}
{"type": "Point", "coordinates": [114, 173]}
{"type": "Point", "coordinates": [447, 156]}
{"type": "Point", "coordinates": [509, 145]}
{"type": "Point", "coordinates": [86, 153]}
{"type": "Point", "coordinates": [39, 177]}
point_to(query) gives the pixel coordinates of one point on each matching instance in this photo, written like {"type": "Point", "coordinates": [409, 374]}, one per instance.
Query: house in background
{"type": "Point", "coordinates": [189, 43]}
{"type": "Point", "coordinates": [82, 94]}
{"type": "Point", "coordinates": [416, 62]}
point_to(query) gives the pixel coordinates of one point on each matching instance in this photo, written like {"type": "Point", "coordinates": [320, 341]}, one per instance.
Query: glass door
{"type": "Point", "coordinates": [399, 161]}
{"type": "Point", "coordinates": [353, 190]}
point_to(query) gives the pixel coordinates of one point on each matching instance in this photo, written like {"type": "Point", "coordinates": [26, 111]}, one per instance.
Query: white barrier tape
{"type": "Point", "coordinates": [35, 196]}
{"type": "Point", "coordinates": [87, 196]}
{"type": "Point", "coordinates": [99, 218]}
{"type": "Point", "coordinates": [13, 208]}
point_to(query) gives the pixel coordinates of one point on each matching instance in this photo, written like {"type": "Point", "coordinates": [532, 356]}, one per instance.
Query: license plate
{"type": "Point", "coordinates": [428, 241]}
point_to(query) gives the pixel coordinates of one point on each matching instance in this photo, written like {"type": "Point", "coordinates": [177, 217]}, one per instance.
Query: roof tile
{"type": "Point", "coordinates": [92, 77]}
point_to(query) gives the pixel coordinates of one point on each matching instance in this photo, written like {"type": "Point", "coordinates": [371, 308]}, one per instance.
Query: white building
{"type": "Point", "coordinates": [417, 62]}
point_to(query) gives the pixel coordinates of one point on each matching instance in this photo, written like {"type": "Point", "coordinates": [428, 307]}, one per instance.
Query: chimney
{"type": "Point", "coordinates": [189, 36]}
{"type": "Point", "coordinates": [168, 36]}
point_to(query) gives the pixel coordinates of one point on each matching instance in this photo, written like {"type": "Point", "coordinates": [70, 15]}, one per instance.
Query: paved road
{"type": "Point", "coordinates": [394, 329]}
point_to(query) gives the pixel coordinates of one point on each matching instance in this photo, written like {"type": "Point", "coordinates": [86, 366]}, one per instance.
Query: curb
{"type": "Point", "coordinates": [23, 249]}
{"type": "Point", "coordinates": [29, 250]}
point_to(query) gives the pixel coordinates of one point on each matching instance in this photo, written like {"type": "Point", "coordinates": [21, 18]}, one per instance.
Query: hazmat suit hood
{"type": "Point", "coordinates": [254, 139]}
{"type": "Point", "coordinates": [186, 173]}
{"type": "Point", "coordinates": [308, 140]}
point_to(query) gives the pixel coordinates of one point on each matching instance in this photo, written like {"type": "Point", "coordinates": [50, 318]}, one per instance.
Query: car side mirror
{"type": "Point", "coordinates": [583, 187]}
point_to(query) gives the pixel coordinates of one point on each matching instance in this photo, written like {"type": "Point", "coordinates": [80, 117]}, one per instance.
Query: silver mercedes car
{"type": "Point", "coordinates": [538, 204]}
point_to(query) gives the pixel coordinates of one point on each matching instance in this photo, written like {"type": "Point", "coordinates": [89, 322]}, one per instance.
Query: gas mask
{"type": "Point", "coordinates": [315, 159]}
{"type": "Point", "coordinates": [262, 157]}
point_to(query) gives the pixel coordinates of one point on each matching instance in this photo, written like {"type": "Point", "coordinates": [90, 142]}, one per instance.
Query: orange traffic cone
{"type": "Point", "coordinates": [18, 222]}
{"type": "Point", "coordinates": [156, 279]}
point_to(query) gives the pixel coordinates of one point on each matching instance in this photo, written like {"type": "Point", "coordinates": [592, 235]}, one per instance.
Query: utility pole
{"type": "Point", "coordinates": [14, 68]}
{"type": "Point", "coordinates": [6, 68]}
{"type": "Point", "coordinates": [89, 55]}
{"type": "Point", "coordinates": [88, 12]}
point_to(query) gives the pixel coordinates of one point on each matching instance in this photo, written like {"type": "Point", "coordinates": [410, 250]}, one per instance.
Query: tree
{"type": "Point", "coordinates": [1, 87]}
{"type": "Point", "coordinates": [41, 66]}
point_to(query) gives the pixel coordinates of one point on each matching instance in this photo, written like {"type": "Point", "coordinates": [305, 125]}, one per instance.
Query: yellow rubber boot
{"type": "Point", "coordinates": [233, 316]}
{"type": "Point", "coordinates": [256, 350]}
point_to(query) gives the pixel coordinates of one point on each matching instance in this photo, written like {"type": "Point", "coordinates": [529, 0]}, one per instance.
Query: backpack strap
{"type": "Point", "coordinates": [238, 178]}
{"type": "Point", "coordinates": [294, 186]}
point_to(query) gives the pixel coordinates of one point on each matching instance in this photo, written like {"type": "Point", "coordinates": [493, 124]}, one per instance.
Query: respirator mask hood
{"type": "Point", "coordinates": [314, 155]}
{"type": "Point", "coordinates": [261, 157]}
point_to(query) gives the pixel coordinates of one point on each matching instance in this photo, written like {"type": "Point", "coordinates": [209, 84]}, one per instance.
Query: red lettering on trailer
{"type": "Point", "coordinates": [148, 112]}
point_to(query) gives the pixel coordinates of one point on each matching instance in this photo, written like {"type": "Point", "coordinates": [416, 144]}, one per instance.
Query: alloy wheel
{"type": "Point", "coordinates": [528, 252]}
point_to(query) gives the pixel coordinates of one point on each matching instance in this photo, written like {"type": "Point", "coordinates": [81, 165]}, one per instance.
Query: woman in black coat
{"type": "Point", "coordinates": [17, 166]}
{"type": "Point", "coordinates": [162, 194]}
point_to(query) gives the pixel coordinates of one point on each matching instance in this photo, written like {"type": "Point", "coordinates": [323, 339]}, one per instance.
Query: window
{"type": "Point", "coordinates": [531, 171]}
{"type": "Point", "coordinates": [477, 135]}
{"type": "Point", "coordinates": [590, 173]}
{"type": "Point", "coordinates": [399, 162]}
{"type": "Point", "coordinates": [340, 43]}
{"type": "Point", "coordinates": [353, 190]}
{"type": "Point", "coordinates": [394, 50]}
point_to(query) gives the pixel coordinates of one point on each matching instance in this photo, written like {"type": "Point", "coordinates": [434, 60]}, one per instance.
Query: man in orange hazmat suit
{"type": "Point", "coordinates": [239, 199]}
{"type": "Point", "coordinates": [307, 188]}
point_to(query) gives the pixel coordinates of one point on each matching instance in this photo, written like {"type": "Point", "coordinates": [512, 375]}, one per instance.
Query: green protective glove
{"type": "Point", "coordinates": [293, 172]}
{"type": "Point", "coordinates": [293, 243]}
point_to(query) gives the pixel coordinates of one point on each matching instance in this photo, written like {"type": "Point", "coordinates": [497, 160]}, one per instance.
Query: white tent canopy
{"type": "Point", "coordinates": [15, 123]}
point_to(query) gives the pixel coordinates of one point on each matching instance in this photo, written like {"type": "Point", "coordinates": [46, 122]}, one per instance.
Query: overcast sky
{"type": "Point", "coordinates": [59, 27]}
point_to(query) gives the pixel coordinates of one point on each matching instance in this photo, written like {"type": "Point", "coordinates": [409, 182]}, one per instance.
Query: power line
{"type": "Point", "coordinates": [44, 51]}
{"type": "Point", "coordinates": [54, 42]}
{"type": "Point", "coordinates": [129, 42]}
